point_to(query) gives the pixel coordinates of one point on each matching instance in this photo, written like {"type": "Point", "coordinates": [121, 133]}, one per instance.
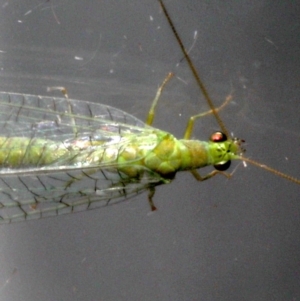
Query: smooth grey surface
{"type": "Point", "coordinates": [234, 239]}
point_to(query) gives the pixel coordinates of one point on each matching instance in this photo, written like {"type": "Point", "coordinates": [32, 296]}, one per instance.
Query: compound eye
{"type": "Point", "coordinates": [222, 166]}
{"type": "Point", "coordinates": [218, 137]}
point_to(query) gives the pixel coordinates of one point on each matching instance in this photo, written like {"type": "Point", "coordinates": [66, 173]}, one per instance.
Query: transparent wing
{"type": "Point", "coordinates": [60, 119]}
{"type": "Point", "coordinates": [32, 197]}
{"type": "Point", "coordinates": [33, 191]}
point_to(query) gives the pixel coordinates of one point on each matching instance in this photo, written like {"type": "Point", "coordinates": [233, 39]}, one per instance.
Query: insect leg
{"type": "Point", "coordinates": [64, 91]}
{"type": "Point", "coordinates": [191, 122]}
{"type": "Point", "coordinates": [200, 178]}
{"type": "Point", "coordinates": [151, 113]}
{"type": "Point", "coordinates": [150, 198]}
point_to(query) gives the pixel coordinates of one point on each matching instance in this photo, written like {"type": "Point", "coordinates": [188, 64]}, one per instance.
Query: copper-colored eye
{"type": "Point", "coordinates": [223, 166]}
{"type": "Point", "coordinates": [218, 137]}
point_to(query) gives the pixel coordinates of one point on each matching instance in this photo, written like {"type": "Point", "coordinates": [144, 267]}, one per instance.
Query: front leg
{"type": "Point", "coordinates": [200, 178]}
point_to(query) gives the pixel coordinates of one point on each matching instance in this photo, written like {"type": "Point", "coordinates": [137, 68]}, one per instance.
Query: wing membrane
{"type": "Point", "coordinates": [35, 191]}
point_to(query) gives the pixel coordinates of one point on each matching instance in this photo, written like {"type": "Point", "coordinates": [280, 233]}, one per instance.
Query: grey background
{"type": "Point", "coordinates": [234, 239]}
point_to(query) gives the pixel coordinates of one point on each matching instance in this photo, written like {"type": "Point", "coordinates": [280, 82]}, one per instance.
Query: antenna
{"type": "Point", "coordinates": [211, 105]}
{"type": "Point", "coordinates": [194, 71]}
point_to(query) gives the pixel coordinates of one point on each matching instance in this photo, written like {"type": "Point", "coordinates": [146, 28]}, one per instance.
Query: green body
{"type": "Point", "coordinates": [60, 156]}
{"type": "Point", "coordinates": [158, 151]}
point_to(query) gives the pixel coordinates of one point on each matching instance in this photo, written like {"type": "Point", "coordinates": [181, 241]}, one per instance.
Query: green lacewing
{"type": "Point", "coordinates": [60, 155]}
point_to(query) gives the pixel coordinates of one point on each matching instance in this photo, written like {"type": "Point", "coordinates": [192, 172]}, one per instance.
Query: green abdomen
{"type": "Point", "coordinates": [16, 152]}
{"type": "Point", "coordinates": [159, 152]}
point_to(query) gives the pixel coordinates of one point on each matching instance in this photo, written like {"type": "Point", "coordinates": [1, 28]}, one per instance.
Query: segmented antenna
{"type": "Point", "coordinates": [194, 71]}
